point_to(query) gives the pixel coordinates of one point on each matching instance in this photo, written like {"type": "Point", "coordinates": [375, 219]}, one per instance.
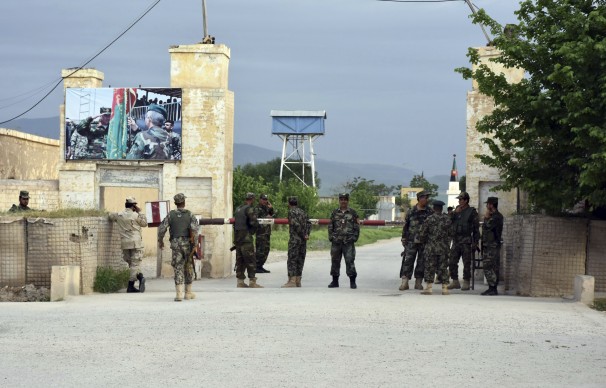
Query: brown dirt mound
{"type": "Point", "coordinates": [28, 293]}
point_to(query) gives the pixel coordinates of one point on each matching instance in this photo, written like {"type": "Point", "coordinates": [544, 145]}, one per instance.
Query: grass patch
{"type": "Point", "coordinates": [319, 236]}
{"type": "Point", "coordinates": [62, 213]}
{"type": "Point", "coordinates": [599, 304]}
{"type": "Point", "coordinates": [109, 280]}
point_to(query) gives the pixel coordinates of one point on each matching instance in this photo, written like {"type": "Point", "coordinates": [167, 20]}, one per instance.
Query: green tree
{"type": "Point", "coordinates": [243, 184]}
{"type": "Point", "coordinates": [420, 181]}
{"type": "Point", "coordinates": [270, 172]}
{"type": "Point", "coordinates": [363, 195]}
{"type": "Point", "coordinates": [547, 132]}
{"type": "Point", "coordinates": [463, 183]}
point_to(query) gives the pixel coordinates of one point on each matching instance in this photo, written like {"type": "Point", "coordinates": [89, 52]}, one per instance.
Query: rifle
{"type": "Point", "coordinates": [474, 261]}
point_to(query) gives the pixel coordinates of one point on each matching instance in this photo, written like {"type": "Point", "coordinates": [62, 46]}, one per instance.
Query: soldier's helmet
{"type": "Point", "coordinates": [463, 195]}
{"type": "Point", "coordinates": [131, 200]}
{"type": "Point", "coordinates": [423, 193]}
{"type": "Point", "coordinates": [250, 195]}
{"type": "Point", "coordinates": [159, 109]}
{"type": "Point", "coordinates": [105, 111]}
{"type": "Point", "coordinates": [492, 200]}
{"type": "Point", "coordinates": [24, 194]}
{"type": "Point", "coordinates": [180, 198]}
{"type": "Point", "coordinates": [293, 201]}
{"type": "Point", "coordinates": [263, 196]}
{"type": "Point", "coordinates": [439, 204]}
{"type": "Point", "coordinates": [344, 196]}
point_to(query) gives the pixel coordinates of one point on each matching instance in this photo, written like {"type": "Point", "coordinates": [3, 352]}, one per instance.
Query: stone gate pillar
{"type": "Point", "coordinates": [201, 70]}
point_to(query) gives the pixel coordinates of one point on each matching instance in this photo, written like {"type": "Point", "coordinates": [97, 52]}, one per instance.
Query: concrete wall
{"type": "Point", "coordinates": [28, 162]}
{"type": "Point", "coordinates": [481, 178]}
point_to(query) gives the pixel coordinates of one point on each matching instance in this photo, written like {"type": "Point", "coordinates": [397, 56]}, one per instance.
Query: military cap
{"type": "Point", "coordinates": [343, 195]}
{"type": "Point", "coordinates": [131, 200]}
{"type": "Point", "coordinates": [423, 193]}
{"type": "Point", "coordinates": [492, 200]}
{"type": "Point", "coordinates": [105, 111]}
{"type": "Point", "coordinates": [24, 194]}
{"type": "Point", "coordinates": [263, 196]}
{"type": "Point", "coordinates": [158, 108]}
{"type": "Point", "coordinates": [438, 203]}
{"type": "Point", "coordinates": [293, 200]}
{"type": "Point", "coordinates": [250, 195]}
{"type": "Point", "coordinates": [180, 198]}
{"type": "Point", "coordinates": [463, 195]}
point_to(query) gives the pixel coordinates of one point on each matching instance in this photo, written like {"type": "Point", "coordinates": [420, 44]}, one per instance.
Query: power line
{"type": "Point", "coordinates": [87, 62]}
{"type": "Point", "coordinates": [420, 1]}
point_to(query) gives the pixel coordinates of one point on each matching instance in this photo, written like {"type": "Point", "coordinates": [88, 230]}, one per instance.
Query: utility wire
{"type": "Point", "coordinates": [87, 62]}
{"type": "Point", "coordinates": [421, 1]}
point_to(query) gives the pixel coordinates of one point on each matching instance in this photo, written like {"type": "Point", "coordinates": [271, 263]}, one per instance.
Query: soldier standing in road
{"type": "Point", "coordinates": [435, 234]}
{"type": "Point", "coordinates": [183, 231]}
{"type": "Point", "coordinates": [413, 248]}
{"type": "Point", "coordinates": [299, 230]}
{"type": "Point", "coordinates": [23, 202]}
{"type": "Point", "coordinates": [263, 235]}
{"type": "Point", "coordinates": [245, 226]}
{"type": "Point", "coordinates": [343, 232]}
{"type": "Point", "coordinates": [130, 221]}
{"type": "Point", "coordinates": [466, 234]}
{"type": "Point", "coordinates": [492, 230]}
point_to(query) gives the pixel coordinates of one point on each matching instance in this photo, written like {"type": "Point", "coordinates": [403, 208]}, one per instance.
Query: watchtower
{"type": "Point", "coordinates": [296, 129]}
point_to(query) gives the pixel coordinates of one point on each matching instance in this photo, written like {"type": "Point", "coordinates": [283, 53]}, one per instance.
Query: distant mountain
{"type": "Point", "coordinates": [45, 127]}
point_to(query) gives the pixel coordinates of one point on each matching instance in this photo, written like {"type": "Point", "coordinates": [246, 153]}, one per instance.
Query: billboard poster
{"type": "Point", "coordinates": [123, 123]}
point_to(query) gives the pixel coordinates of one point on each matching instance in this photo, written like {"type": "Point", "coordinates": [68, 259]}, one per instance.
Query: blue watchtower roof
{"type": "Point", "coordinates": [298, 122]}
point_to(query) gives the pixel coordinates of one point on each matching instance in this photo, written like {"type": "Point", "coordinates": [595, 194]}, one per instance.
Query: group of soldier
{"type": "Point", "coordinates": [158, 140]}
{"type": "Point", "coordinates": [437, 241]}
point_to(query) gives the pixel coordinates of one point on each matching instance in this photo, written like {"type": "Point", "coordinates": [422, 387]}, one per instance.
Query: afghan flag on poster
{"type": "Point", "coordinates": [117, 135]}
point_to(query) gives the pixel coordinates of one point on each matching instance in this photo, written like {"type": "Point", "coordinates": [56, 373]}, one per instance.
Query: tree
{"type": "Point", "coordinates": [463, 183]}
{"type": "Point", "coordinates": [420, 181]}
{"type": "Point", "coordinates": [547, 132]}
{"type": "Point", "coordinates": [270, 172]}
{"type": "Point", "coordinates": [363, 194]}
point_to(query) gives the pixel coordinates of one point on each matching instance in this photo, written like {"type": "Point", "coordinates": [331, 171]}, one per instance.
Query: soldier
{"type": "Point", "coordinates": [299, 229]}
{"type": "Point", "coordinates": [130, 221]}
{"type": "Point", "coordinates": [435, 234]}
{"type": "Point", "coordinates": [492, 230]}
{"type": "Point", "coordinates": [415, 217]}
{"type": "Point", "coordinates": [343, 232]}
{"type": "Point", "coordinates": [94, 129]}
{"type": "Point", "coordinates": [23, 202]}
{"type": "Point", "coordinates": [466, 233]}
{"type": "Point", "coordinates": [175, 139]}
{"type": "Point", "coordinates": [264, 209]}
{"type": "Point", "coordinates": [155, 142]}
{"type": "Point", "coordinates": [245, 226]}
{"type": "Point", "coordinates": [183, 231]}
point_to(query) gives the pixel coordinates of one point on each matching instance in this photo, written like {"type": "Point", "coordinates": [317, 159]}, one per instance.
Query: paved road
{"type": "Point", "coordinates": [313, 336]}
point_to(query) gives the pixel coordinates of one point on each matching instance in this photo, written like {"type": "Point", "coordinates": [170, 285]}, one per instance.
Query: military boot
{"type": "Point", "coordinates": [141, 282]}
{"type": "Point", "coordinates": [418, 284]}
{"type": "Point", "coordinates": [455, 285]}
{"type": "Point", "coordinates": [492, 291]}
{"type": "Point", "coordinates": [465, 285]}
{"type": "Point", "coordinates": [352, 282]}
{"type": "Point", "coordinates": [298, 281]}
{"type": "Point", "coordinates": [241, 284]}
{"type": "Point", "coordinates": [179, 295]}
{"type": "Point", "coordinates": [252, 283]}
{"type": "Point", "coordinates": [428, 289]}
{"type": "Point", "coordinates": [334, 283]}
{"type": "Point", "coordinates": [291, 283]}
{"type": "Point", "coordinates": [131, 287]}
{"type": "Point", "coordinates": [404, 285]}
{"type": "Point", "coordinates": [188, 293]}
{"type": "Point", "coordinates": [445, 289]}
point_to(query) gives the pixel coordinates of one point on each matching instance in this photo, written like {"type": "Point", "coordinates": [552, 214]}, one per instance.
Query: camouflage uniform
{"type": "Point", "coordinates": [299, 227]}
{"type": "Point", "coordinates": [415, 217]}
{"type": "Point", "coordinates": [131, 241]}
{"type": "Point", "coordinates": [175, 142]}
{"type": "Point", "coordinates": [96, 140]}
{"type": "Point", "coordinates": [263, 235]}
{"type": "Point", "coordinates": [155, 143]}
{"type": "Point", "coordinates": [466, 232]}
{"type": "Point", "coordinates": [343, 232]}
{"type": "Point", "coordinates": [183, 226]}
{"type": "Point", "coordinates": [78, 145]}
{"type": "Point", "coordinates": [435, 234]}
{"type": "Point", "coordinates": [245, 226]}
{"type": "Point", "coordinates": [492, 230]}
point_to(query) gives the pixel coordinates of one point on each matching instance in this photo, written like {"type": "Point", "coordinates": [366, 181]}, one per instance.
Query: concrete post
{"type": "Point", "coordinates": [65, 280]}
{"type": "Point", "coordinates": [584, 287]}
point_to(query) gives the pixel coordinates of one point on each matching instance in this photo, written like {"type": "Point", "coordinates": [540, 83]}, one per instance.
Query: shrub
{"type": "Point", "coordinates": [109, 280]}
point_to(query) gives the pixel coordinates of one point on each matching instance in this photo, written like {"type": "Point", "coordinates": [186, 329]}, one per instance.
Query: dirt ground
{"type": "Point", "coordinates": [28, 293]}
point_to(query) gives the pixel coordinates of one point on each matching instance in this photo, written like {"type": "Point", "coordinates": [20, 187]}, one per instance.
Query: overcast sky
{"type": "Point", "coordinates": [383, 71]}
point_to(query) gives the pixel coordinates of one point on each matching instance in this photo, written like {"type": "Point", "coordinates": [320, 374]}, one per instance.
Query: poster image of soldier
{"type": "Point", "coordinates": [123, 123]}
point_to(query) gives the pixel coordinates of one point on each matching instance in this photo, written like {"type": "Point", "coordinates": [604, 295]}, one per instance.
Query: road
{"type": "Point", "coordinates": [374, 336]}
